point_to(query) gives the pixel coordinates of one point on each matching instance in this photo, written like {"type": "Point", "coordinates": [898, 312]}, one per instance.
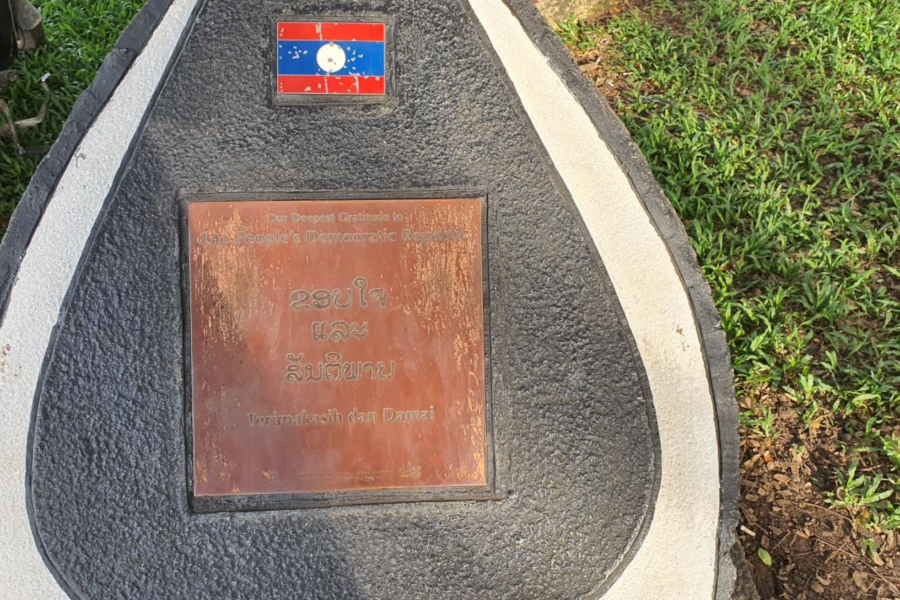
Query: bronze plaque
{"type": "Point", "coordinates": [337, 346]}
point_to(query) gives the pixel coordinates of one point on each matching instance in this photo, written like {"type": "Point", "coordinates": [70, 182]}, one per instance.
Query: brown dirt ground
{"type": "Point", "coordinates": [815, 549]}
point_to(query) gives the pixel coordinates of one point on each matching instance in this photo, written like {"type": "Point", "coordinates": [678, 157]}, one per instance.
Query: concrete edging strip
{"type": "Point", "coordinates": [679, 559]}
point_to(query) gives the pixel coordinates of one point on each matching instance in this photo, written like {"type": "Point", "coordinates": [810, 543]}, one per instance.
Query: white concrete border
{"type": "Point", "coordinates": [44, 278]}
{"type": "Point", "coordinates": [678, 558]}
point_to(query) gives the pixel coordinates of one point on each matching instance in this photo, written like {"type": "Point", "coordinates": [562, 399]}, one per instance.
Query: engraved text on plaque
{"type": "Point", "coordinates": [337, 345]}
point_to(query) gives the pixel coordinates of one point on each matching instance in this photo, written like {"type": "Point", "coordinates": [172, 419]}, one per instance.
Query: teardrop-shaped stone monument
{"type": "Point", "coordinates": [357, 299]}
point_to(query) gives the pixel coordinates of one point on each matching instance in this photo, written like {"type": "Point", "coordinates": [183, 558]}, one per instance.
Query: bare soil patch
{"type": "Point", "coordinates": [815, 549]}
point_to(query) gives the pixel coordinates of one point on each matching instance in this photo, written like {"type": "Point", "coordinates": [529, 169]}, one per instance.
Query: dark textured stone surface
{"type": "Point", "coordinates": [574, 428]}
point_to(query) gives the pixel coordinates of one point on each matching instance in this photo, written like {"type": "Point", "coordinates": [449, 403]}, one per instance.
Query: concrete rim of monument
{"type": "Point", "coordinates": [690, 548]}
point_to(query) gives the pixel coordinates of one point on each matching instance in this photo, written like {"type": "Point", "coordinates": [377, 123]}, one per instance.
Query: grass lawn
{"type": "Point", "coordinates": [80, 33]}
{"type": "Point", "coordinates": [774, 128]}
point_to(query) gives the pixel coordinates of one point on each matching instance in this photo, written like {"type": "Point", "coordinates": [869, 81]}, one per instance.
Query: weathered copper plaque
{"type": "Point", "coordinates": [337, 345]}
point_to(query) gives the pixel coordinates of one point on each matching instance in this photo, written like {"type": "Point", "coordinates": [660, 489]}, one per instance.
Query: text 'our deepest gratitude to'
{"type": "Point", "coordinates": [326, 228]}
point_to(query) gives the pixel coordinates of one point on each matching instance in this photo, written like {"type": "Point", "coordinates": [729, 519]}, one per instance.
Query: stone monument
{"type": "Point", "coordinates": [357, 299]}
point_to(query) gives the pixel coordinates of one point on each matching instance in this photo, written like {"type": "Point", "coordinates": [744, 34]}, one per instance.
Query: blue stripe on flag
{"type": "Point", "coordinates": [299, 58]}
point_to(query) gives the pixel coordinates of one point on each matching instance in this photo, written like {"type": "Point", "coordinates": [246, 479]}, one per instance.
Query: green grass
{"type": "Point", "coordinates": [774, 128]}
{"type": "Point", "coordinates": [80, 33]}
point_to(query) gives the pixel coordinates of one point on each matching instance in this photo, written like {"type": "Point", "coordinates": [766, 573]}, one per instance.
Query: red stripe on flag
{"type": "Point", "coordinates": [298, 31]}
{"type": "Point", "coordinates": [349, 32]}
{"type": "Point", "coordinates": [371, 85]}
{"type": "Point", "coordinates": [332, 32]}
{"type": "Point", "coordinates": [330, 84]}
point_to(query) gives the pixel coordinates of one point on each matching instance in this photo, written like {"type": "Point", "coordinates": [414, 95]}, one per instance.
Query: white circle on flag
{"type": "Point", "coordinates": [331, 58]}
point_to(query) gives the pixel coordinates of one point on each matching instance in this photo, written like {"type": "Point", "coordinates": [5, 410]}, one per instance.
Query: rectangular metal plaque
{"type": "Point", "coordinates": [337, 346]}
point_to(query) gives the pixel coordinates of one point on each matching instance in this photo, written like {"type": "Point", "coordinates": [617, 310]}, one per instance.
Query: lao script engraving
{"type": "Point", "coordinates": [335, 369]}
{"type": "Point", "coordinates": [336, 299]}
{"type": "Point", "coordinates": [339, 331]}
{"type": "Point", "coordinates": [358, 295]}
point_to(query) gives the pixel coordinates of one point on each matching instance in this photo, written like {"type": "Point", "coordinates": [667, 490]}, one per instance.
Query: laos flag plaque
{"type": "Point", "coordinates": [331, 60]}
